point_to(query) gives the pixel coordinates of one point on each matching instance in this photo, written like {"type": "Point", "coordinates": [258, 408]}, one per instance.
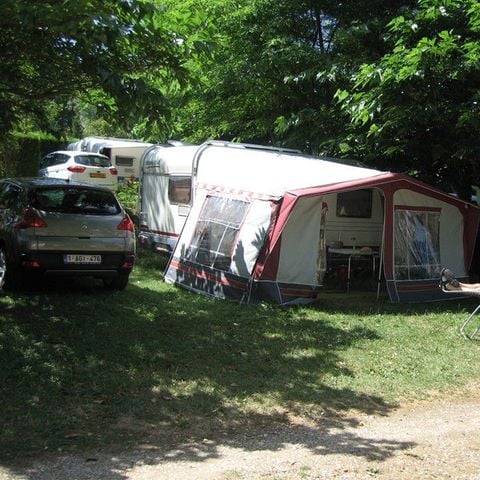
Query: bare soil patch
{"type": "Point", "coordinates": [439, 438]}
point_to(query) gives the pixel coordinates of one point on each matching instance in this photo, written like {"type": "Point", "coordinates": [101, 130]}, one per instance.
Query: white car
{"type": "Point", "coordinates": [78, 166]}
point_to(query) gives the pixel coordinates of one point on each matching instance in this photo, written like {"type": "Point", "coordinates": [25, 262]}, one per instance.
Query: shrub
{"type": "Point", "coordinates": [127, 193]}
{"type": "Point", "coordinates": [20, 154]}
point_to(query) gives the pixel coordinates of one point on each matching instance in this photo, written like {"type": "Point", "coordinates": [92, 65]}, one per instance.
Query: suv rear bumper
{"type": "Point", "coordinates": [51, 263]}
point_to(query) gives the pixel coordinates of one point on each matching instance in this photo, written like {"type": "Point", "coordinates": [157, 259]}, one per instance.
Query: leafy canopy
{"type": "Point", "coordinates": [418, 106]}
{"type": "Point", "coordinates": [112, 53]}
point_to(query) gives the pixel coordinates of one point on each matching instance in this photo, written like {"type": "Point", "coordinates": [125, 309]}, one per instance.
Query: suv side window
{"type": "Point", "coordinates": [9, 195]}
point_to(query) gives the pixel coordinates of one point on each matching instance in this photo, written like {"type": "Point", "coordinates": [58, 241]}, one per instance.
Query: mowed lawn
{"type": "Point", "coordinates": [82, 367]}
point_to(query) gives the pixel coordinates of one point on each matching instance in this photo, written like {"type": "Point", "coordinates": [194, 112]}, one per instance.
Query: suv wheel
{"type": "Point", "coordinates": [10, 276]}
{"type": "Point", "coordinates": [117, 283]}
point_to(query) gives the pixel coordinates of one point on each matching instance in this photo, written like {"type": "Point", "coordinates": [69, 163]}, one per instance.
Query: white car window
{"type": "Point", "coordinates": [92, 161]}
{"type": "Point", "coordinates": [53, 159]}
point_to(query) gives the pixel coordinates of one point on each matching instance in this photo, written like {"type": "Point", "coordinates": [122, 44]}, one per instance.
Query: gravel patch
{"type": "Point", "coordinates": [436, 439]}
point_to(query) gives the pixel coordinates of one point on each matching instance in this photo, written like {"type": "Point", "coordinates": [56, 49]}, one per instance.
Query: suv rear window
{"type": "Point", "coordinates": [75, 200]}
{"type": "Point", "coordinates": [92, 161]}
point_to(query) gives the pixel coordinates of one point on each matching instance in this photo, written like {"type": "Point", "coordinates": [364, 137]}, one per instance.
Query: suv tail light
{"type": "Point", "coordinates": [113, 171]}
{"type": "Point", "coordinates": [128, 263]}
{"type": "Point", "coordinates": [30, 219]}
{"type": "Point", "coordinates": [126, 224]}
{"type": "Point", "coordinates": [76, 169]}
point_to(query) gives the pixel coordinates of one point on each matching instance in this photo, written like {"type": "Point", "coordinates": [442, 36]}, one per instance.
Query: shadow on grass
{"type": "Point", "coordinates": [361, 302]}
{"type": "Point", "coordinates": [84, 368]}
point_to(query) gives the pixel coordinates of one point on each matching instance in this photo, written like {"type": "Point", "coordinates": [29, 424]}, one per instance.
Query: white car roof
{"type": "Point", "coordinates": [78, 153]}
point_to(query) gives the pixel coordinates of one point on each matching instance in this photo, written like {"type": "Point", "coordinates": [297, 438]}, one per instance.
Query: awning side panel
{"type": "Point", "coordinates": [220, 243]}
{"type": "Point", "coordinates": [299, 256]}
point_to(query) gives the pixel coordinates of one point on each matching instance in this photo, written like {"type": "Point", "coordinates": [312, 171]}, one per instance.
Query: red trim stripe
{"type": "Point", "coordinates": [417, 287]}
{"type": "Point", "coordinates": [299, 292]}
{"type": "Point", "coordinates": [158, 232]}
{"type": "Point", "coordinates": [212, 189]}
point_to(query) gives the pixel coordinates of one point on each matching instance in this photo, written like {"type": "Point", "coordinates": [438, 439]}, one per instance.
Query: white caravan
{"type": "Point", "coordinates": [269, 225]}
{"type": "Point", "coordinates": [124, 154]}
{"type": "Point", "coordinates": [165, 195]}
{"type": "Point", "coordinates": [167, 192]}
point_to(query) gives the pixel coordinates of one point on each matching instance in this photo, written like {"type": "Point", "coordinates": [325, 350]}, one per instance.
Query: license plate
{"type": "Point", "coordinates": [83, 259]}
{"type": "Point", "coordinates": [97, 175]}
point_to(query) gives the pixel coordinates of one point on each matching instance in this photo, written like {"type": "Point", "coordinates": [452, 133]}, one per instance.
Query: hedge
{"type": "Point", "coordinates": [20, 155]}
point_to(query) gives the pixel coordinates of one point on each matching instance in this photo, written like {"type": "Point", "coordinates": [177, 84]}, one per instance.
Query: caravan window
{"type": "Point", "coordinates": [355, 204]}
{"type": "Point", "coordinates": [216, 232]}
{"type": "Point", "coordinates": [417, 244]}
{"type": "Point", "coordinates": [179, 189]}
{"type": "Point", "coordinates": [123, 161]}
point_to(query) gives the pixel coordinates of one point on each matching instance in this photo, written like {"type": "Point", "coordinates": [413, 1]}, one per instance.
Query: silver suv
{"type": "Point", "coordinates": [57, 227]}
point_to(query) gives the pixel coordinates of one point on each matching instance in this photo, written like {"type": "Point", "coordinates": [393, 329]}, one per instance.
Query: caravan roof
{"type": "Point", "coordinates": [96, 143]}
{"type": "Point", "coordinates": [272, 172]}
{"type": "Point", "coordinates": [169, 159]}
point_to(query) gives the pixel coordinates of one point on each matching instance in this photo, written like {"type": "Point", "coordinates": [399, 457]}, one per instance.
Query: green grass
{"type": "Point", "coordinates": [83, 367]}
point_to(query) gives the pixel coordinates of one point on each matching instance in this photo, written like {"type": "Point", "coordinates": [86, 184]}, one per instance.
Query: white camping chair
{"type": "Point", "coordinates": [467, 323]}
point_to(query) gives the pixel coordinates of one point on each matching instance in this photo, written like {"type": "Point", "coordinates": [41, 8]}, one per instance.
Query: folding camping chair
{"type": "Point", "coordinates": [468, 322]}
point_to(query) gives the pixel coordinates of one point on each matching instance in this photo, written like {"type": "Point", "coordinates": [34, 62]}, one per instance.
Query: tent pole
{"type": "Point", "coordinates": [380, 264]}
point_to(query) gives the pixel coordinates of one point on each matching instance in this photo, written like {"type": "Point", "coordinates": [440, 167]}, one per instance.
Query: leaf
{"type": "Point", "coordinates": [341, 95]}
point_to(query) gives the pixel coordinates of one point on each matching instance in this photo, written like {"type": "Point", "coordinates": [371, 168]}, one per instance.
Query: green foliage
{"type": "Point", "coordinates": [394, 84]}
{"type": "Point", "coordinates": [20, 154]}
{"type": "Point", "coordinates": [123, 49]}
{"type": "Point", "coordinates": [276, 66]}
{"type": "Point", "coordinates": [128, 195]}
{"type": "Point", "coordinates": [243, 90]}
{"type": "Point", "coordinates": [417, 108]}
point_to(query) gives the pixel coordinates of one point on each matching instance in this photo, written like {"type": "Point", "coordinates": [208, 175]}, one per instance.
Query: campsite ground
{"type": "Point", "coordinates": [438, 438]}
{"type": "Point", "coordinates": [339, 390]}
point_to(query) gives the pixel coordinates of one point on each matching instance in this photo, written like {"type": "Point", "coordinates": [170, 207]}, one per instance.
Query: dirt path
{"type": "Point", "coordinates": [438, 439]}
